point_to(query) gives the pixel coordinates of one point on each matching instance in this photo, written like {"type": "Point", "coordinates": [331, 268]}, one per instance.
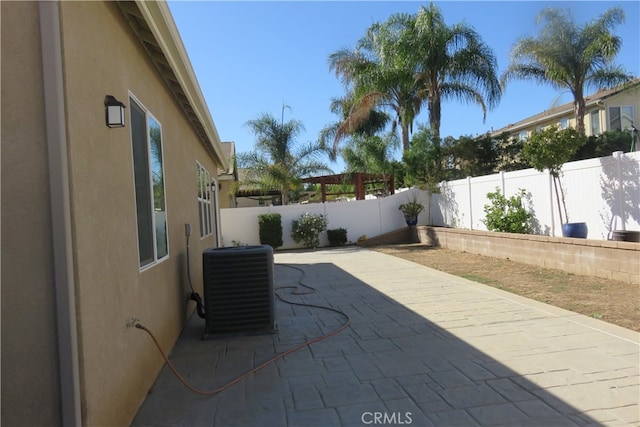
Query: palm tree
{"type": "Point", "coordinates": [376, 78]}
{"type": "Point", "coordinates": [375, 122]}
{"type": "Point", "coordinates": [412, 59]}
{"type": "Point", "coordinates": [371, 154]}
{"type": "Point", "coordinates": [570, 57]}
{"type": "Point", "coordinates": [450, 62]}
{"type": "Point", "coordinates": [276, 163]}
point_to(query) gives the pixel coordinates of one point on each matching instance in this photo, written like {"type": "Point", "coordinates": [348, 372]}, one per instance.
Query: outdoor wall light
{"type": "Point", "coordinates": [114, 112]}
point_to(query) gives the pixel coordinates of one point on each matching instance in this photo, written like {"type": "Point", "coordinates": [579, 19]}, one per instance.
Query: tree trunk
{"type": "Point", "coordinates": [434, 117]}
{"type": "Point", "coordinates": [578, 110]}
{"type": "Point", "coordinates": [555, 186]}
{"type": "Point", "coordinates": [405, 135]}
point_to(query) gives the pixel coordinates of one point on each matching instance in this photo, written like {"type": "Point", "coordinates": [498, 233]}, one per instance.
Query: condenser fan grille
{"type": "Point", "coordinates": [238, 290]}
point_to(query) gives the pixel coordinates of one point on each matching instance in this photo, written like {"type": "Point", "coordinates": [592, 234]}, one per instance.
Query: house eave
{"type": "Point", "coordinates": [154, 26]}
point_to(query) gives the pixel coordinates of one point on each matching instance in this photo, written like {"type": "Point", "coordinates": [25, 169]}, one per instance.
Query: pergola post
{"type": "Point", "coordinates": [359, 187]}
{"type": "Point", "coordinates": [323, 186]}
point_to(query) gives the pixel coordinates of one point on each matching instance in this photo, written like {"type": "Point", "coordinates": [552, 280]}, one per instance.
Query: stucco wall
{"type": "Point", "coordinates": [226, 197]}
{"type": "Point", "coordinates": [119, 364]}
{"type": "Point", "coordinates": [30, 389]}
{"type": "Point", "coordinates": [631, 97]}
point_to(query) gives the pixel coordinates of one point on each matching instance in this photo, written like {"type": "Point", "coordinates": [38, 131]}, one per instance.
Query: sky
{"type": "Point", "coordinates": [253, 57]}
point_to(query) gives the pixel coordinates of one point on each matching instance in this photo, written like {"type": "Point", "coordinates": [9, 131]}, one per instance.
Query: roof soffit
{"type": "Point", "coordinates": [153, 24]}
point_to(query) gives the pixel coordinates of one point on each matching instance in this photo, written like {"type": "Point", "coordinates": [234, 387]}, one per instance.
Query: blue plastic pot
{"type": "Point", "coordinates": [411, 222]}
{"type": "Point", "coordinates": [575, 229]}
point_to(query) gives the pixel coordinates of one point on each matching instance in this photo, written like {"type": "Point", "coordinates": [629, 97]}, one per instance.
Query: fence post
{"type": "Point", "coordinates": [470, 203]}
{"type": "Point", "coordinates": [617, 155]}
{"type": "Point", "coordinates": [380, 228]}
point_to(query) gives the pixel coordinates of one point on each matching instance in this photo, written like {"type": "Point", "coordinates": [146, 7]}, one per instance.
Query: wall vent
{"type": "Point", "coordinates": [238, 290]}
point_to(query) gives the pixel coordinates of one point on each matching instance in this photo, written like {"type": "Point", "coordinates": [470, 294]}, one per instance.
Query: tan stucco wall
{"type": "Point", "coordinates": [631, 97]}
{"type": "Point", "coordinates": [30, 387]}
{"type": "Point", "coordinates": [226, 196]}
{"type": "Point", "coordinates": [119, 364]}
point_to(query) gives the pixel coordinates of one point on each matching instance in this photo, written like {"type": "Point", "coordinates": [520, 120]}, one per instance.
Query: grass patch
{"type": "Point", "coordinates": [479, 279]}
{"type": "Point", "coordinates": [558, 288]}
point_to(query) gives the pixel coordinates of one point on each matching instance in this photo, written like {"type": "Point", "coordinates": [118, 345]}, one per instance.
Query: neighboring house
{"type": "Point", "coordinates": [611, 109]}
{"type": "Point", "coordinates": [228, 178]}
{"type": "Point", "coordinates": [93, 217]}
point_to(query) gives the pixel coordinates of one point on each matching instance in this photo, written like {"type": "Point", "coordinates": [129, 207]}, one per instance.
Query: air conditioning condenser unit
{"type": "Point", "coordinates": [238, 290]}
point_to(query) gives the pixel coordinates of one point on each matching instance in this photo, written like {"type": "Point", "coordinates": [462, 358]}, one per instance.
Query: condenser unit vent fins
{"type": "Point", "coordinates": [238, 290]}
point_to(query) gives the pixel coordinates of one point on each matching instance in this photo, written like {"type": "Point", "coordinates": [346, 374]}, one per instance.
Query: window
{"type": "Point", "coordinates": [204, 200]}
{"type": "Point", "coordinates": [594, 119]}
{"type": "Point", "coordinates": [564, 123]}
{"type": "Point", "coordinates": [620, 118]}
{"type": "Point", "coordinates": [523, 135]}
{"type": "Point", "coordinates": [151, 212]}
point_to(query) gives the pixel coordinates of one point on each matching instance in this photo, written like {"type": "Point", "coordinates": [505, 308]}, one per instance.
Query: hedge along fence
{"type": "Point", "coordinates": [270, 229]}
{"type": "Point", "coordinates": [604, 193]}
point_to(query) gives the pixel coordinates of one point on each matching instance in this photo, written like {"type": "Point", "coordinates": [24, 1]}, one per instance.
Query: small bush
{"type": "Point", "coordinates": [337, 237]}
{"type": "Point", "coordinates": [508, 215]}
{"type": "Point", "coordinates": [270, 229]}
{"type": "Point", "coordinates": [307, 229]}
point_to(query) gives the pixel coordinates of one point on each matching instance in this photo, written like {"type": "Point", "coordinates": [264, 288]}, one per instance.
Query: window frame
{"type": "Point", "coordinates": [563, 123]}
{"type": "Point", "coordinates": [620, 108]}
{"type": "Point", "coordinates": [595, 113]}
{"type": "Point", "coordinates": [147, 176]}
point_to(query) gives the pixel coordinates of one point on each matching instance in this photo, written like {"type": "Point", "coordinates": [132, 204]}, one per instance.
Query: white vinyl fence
{"type": "Point", "coordinates": [359, 218]}
{"type": "Point", "coordinates": [603, 192]}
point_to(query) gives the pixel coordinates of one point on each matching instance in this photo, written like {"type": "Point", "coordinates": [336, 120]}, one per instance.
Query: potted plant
{"type": "Point", "coordinates": [550, 148]}
{"type": "Point", "coordinates": [411, 210]}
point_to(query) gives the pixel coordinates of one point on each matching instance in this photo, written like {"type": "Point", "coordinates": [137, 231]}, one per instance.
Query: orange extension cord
{"type": "Point", "coordinates": [268, 362]}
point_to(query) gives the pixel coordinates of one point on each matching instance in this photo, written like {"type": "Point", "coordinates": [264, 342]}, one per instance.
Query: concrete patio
{"type": "Point", "coordinates": [423, 348]}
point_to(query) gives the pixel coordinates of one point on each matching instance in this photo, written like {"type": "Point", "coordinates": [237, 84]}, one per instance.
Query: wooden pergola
{"type": "Point", "coordinates": [357, 179]}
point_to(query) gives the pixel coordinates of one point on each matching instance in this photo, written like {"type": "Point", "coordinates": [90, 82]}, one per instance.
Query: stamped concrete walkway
{"type": "Point", "coordinates": [424, 348]}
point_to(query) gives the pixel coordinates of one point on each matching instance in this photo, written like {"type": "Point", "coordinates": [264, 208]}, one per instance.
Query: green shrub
{"type": "Point", "coordinates": [270, 229]}
{"type": "Point", "coordinates": [508, 215]}
{"type": "Point", "coordinates": [307, 229]}
{"type": "Point", "coordinates": [337, 237]}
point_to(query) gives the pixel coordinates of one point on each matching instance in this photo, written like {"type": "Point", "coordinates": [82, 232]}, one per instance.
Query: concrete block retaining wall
{"type": "Point", "coordinates": [606, 259]}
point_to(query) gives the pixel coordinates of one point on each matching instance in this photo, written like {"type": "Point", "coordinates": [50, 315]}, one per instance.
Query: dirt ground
{"type": "Point", "coordinates": [609, 300]}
